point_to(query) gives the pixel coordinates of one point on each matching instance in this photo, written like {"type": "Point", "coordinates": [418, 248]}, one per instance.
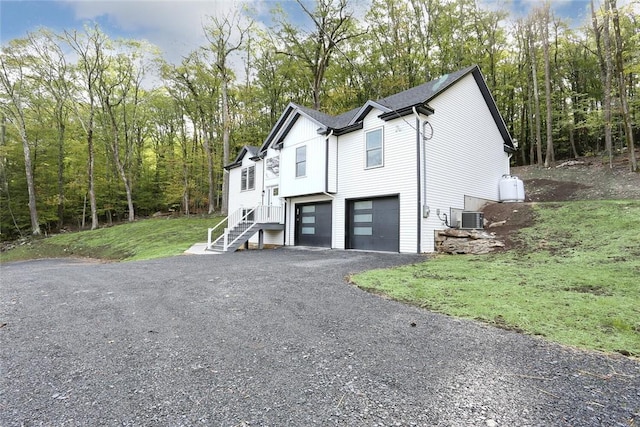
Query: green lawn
{"type": "Point", "coordinates": [144, 239]}
{"type": "Point", "coordinates": [577, 281]}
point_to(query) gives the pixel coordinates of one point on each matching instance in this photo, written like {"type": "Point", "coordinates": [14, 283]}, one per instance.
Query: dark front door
{"type": "Point", "coordinates": [374, 224]}
{"type": "Point", "coordinates": [313, 224]}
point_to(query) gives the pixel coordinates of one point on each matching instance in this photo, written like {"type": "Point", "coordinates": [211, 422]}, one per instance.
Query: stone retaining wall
{"type": "Point", "coordinates": [456, 241]}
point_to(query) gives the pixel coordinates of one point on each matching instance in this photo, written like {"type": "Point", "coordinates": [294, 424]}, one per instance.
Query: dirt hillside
{"type": "Point", "coordinates": [587, 178]}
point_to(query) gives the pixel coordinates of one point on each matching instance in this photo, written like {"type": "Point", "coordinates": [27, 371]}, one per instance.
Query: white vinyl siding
{"type": "Point", "coordinates": [397, 177]}
{"type": "Point", "coordinates": [248, 178]}
{"type": "Point", "coordinates": [239, 198]}
{"type": "Point", "coordinates": [332, 153]}
{"type": "Point", "coordinates": [301, 161]}
{"type": "Point", "coordinates": [374, 148]}
{"type": "Point", "coordinates": [303, 134]}
{"type": "Point", "coordinates": [465, 157]}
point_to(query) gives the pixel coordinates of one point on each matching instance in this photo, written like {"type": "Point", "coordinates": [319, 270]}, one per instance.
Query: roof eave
{"type": "Point", "coordinates": [423, 109]}
{"type": "Point", "coordinates": [232, 166]}
{"type": "Point", "coordinates": [508, 145]}
{"type": "Point", "coordinates": [508, 149]}
{"type": "Point", "coordinates": [342, 130]}
{"type": "Point", "coordinates": [278, 126]}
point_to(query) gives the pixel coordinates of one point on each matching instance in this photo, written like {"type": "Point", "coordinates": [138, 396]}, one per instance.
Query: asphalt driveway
{"type": "Point", "coordinates": [276, 338]}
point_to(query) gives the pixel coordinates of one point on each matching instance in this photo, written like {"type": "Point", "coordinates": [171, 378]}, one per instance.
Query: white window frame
{"type": "Point", "coordinates": [301, 162]}
{"type": "Point", "coordinates": [367, 150]}
{"type": "Point", "coordinates": [248, 178]}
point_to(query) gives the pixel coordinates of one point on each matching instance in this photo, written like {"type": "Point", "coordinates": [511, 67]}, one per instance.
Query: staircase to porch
{"type": "Point", "coordinates": [242, 225]}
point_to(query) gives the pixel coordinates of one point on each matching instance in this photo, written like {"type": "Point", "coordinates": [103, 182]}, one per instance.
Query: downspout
{"type": "Point", "coordinates": [326, 162]}
{"type": "Point", "coordinates": [264, 169]}
{"type": "Point", "coordinates": [424, 165]}
{"type": "Point", "coordinates": [419, 169]}
{"type": "Point", "coordinates": [326, 176]}
{"type": "Point", "coordinates": [284, 234]}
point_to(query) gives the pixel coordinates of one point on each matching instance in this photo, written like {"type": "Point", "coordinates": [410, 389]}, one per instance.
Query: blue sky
{"type": "Point", "coordinates": [176, 25]}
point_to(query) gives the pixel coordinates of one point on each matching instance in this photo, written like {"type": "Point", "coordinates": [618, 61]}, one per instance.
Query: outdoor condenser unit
{"type": "Point", "coordinates": [472, 220]}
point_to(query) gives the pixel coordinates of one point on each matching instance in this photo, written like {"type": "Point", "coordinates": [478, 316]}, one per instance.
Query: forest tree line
{"type": "Point", "coordinates": [118, 132]}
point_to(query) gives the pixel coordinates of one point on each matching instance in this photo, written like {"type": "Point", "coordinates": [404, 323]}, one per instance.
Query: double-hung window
{"type": "Point", "coordinates": [301, 161]}
{"type": "Point", "coordinates": [248, 178]}
{"type": "Point", "coordinates": [373, 148]}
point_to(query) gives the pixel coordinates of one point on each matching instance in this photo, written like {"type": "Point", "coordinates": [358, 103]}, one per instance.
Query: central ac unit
{"type": "Point", "coordinates": [472, 220]}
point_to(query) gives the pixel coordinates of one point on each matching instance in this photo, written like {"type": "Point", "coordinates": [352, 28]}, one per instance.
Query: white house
{"type": "Point", "coordinates": [381, 177]}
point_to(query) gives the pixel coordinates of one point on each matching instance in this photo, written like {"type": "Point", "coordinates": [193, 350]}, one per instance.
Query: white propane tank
{"type": "Point", "coordinates": [511, 189]}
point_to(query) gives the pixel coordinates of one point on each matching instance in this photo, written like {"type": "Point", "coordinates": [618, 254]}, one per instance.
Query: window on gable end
{"type": "Point", "coordinates": [251, 178]}
{"type": "Point", "coordinates": [301, 161]}
{"type": "Point", "coordinates": [374, 148]}
{"type": "Point", "coordinates": [247, 178]}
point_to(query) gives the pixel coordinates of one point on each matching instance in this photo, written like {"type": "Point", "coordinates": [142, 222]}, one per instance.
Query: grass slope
{"type": "Point", "coordinates": [576, 281]}
{"type": "Point", "coordinates": [145, 239]}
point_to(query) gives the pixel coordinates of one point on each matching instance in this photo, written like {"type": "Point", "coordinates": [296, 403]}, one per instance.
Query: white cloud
{"type": "Point", "coordinates": [174, 26]}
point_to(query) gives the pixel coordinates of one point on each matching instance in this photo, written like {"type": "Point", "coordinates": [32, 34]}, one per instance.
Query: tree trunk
{"type": "Point", "coordinates": [532, 132]}
{"type": "Point", "coordinates": [607, 86]}
{"type": "Point", "coordinates": [225, 143]}
{"type": "Point", "coordinates": [61, 130]}
{"type": "Point", "coordinates": [31, 188]}
{"type": "Point", "coordinates": [185, 175]}
{"type": "Point", "coordinates": [3, 156]}
{"type": "Point", "coordinates": [119, 163]}
{"type": "Point", "coordinates": [206, 140]}
{"type": "Point", "coordinates": [624, 105]}
{"type": "Point", "coordinates": [127, 186]}
{"type": "Point", "coordinates": [536, 99]}
{"type": "Point", "coordinates": [91, 163]}
{"type": "Point", "coordinates": [604, 59]}
{"type": "Point", "coordinates": [572, 141]}
{"type": "Point", "coordinates": [549, 158]}
{"type": "Point", "coordinates": [92, 193]}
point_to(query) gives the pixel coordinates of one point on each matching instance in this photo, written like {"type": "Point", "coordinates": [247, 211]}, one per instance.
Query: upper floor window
{"type": "Point", "coordinates": [248, 178]}
{"type": "Point", "coordinates": [301, 161]}
{"type": "Point", "coordinates": [373, 149]}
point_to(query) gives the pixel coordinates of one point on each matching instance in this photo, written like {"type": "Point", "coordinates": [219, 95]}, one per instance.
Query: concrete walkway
{"type": "Point", "coordinates": [200, 249]}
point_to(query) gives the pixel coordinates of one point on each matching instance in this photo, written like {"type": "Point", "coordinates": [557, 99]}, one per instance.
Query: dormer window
{"type": "Point", "coordinates": [374, 148]}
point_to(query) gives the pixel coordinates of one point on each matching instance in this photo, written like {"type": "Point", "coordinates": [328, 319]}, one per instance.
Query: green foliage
{"type": "Point", "coordinates": [146, 239]}
{"type": "Point", "coordinates": [574, 282]}
{"type": "Point", "coordinates": [163, 134]}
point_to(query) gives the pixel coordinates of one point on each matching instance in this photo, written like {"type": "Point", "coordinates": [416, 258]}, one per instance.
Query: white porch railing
{"type": "Point", "coordinates": [242, 220]}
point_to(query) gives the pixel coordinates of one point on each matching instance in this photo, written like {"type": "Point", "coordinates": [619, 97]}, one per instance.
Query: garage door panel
{"type": "Point", "coordinates": [374, 224]}
{"type": "Point", "coordinates": [313, 224]}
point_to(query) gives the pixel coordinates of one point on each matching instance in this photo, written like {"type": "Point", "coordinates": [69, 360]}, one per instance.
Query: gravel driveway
{"type": "Point", "coordinates": [276, 338]}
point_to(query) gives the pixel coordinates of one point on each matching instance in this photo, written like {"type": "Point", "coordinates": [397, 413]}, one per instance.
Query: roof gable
{"type": "Point", "coordinates": [250, 150]}
{"type": "Point", "coordinates": [425, 92]}
{"type": "Point", "coordinates": [400, 104]}
{"type": "Point", "coordinates": [288, 118]}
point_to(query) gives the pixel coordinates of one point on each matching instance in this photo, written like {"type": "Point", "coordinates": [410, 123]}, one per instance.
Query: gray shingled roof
{"type": "Point", "coordinates": [251, 150]}
{"type": "Point", "coordinates": [423, 93]}
{"type": "Point", "coordinates": [414, 96]}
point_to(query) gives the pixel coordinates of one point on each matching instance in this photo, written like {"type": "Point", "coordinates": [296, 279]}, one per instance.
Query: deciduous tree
{"type": "Point", "coordinates": [15, 101]}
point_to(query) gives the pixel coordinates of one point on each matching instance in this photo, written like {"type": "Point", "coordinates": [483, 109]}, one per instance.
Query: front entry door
{"type": "Point", "coordinates": [273, 204]}
{"type": "Point", "coordinates": [313, 224]}
{"type": "Point", "coordinates": [272, 196]}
